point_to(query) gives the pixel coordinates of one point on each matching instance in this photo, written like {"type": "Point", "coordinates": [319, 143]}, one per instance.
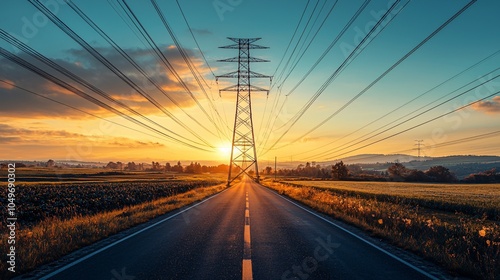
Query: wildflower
{"type": "Point", "coordinates": [482, 233]}
{"type": "Point", "coordinates": [380, 221]}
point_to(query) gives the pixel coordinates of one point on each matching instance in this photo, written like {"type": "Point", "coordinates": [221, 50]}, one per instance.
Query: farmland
{"type": "Point", "coordinates": [455, 225]}
{"type": "Point", "coordinates": [59, 211]}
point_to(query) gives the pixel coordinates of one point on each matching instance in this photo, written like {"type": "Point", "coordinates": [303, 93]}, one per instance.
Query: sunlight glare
{"type": "Point", "coordinates": [225, 150]}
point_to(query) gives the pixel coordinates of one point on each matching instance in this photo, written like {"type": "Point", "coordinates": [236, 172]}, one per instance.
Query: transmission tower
{"type": "Point", "coordinates": [243, 151]}
{"type": "Point", "coordinates": [419, 146]}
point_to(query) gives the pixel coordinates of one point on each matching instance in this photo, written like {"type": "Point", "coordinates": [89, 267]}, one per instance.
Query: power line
{"type": "Point", "coordinates": [291, 39]}
{"type": "Point", "coordinates": [22, 46]}
{"type": "Point", "coordinates": [124, 54]}
{"type": "Point", "coordinates": [299, 57]}
{"type": "Point", "coordinates": [110, 66]}
{"type": "Point", "coordinates": [446, 144]}
{"type": "Point", "coordinates": [407, 103]}
{"type": "Point", "coordinates": [296, 45]}
{"type": "Point", "coordinates": [16, 59]}
{"type": "Point", "coordinates": [309, 103]}
{"type": "Point", "coordinates": [140, 27]}
{"type": "Point", "coordinates": [418, 125]}
{"type": "Point", "coordinates": [408, 54]}
{"type": "Point", "coordinates": [194, 37]}
{"type": "Point", "coordinates": [332, 44]}
{"type": "Point", "coordinates": [79, 110]}
{"type": "Point", "coordinates": [415, 116]}
{"type": "Point", "coordinates": [270, 126]}
{"type": "Point", "coordinates": [188, 62]}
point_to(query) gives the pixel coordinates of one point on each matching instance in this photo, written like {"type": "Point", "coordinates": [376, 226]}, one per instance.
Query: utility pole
{"type": "Point", "coordinates": [243, 151]}
{"type": "Point", "coordinates": [419, 145]}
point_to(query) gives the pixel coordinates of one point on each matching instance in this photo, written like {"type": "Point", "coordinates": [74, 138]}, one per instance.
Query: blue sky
{"type": "Point", "coordinates": [468, 39]}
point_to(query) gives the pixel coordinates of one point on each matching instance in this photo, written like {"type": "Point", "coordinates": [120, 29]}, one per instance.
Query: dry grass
{"type": "Point", "coordinates": [472, 199]}
{"type": "Point", "coordinates": [466, 244]}
{"type": "Point", "coordinates": [54, 238]}
{"type": "Point", "coordinates": [470, 194]}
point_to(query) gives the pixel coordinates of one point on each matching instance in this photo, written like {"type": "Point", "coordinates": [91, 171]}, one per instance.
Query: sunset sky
{"type": "Point", "coordinates": [344, 119]}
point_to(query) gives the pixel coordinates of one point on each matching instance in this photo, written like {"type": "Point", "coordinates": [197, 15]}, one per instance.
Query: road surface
{"type": "Point", "coordinates": [245, 232]}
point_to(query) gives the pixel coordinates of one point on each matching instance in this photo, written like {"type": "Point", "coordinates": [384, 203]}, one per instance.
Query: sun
{"type": "Point", "coordinates": [224, 150]}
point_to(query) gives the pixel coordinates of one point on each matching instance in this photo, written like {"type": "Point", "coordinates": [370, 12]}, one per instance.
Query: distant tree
{"type": "Point", "coordinates": [354, 169]}
{"type": "Point", "coordinates": [194, 167]}
{"type": "Point", "coordinates": [397, 171]}
{"type": "Point", "coordinates": [51, 163]}
{"type": "Point", "coordinates": [440, 174]}
{"type": "Point", "coordinates": [415, 175]}
{"type": "Point", "coordinates": [111, 165]}
{"type": "Point", "coordinates": [168, 167]}
{"type": "Point", "coordinates": [131, 166]}
{"type": "Point", "coordinates": [197, 168]}
{"type": "Point", "coordinates": [177, 168]}
{"type": "Point", "coordinates": [489, 176]}
{"type": "Point", "coordinates": [189, 168]}
{"type": "Point", "coordinates": [268, 170]}
{"type": "Point", "coordinates": [339, 171]}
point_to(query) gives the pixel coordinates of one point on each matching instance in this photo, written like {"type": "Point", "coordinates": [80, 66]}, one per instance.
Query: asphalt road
{"type": "Point", "coordinates": [246, 231]}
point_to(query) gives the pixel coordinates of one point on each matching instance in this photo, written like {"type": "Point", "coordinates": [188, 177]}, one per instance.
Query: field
{"type": "Point", "coordinates": [455, 225]}
{"type": "Point", "coordinates": [60, 211]}
{"type": "Point", "coordinates": [472, 199]}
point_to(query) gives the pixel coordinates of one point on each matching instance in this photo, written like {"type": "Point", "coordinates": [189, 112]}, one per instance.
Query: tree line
{"type": "Point", "coordinates": [395, 172]}
{"type": "Point", "coordinates": [193, 167]}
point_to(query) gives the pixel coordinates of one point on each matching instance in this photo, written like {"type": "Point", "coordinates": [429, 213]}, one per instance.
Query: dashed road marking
{"type": "Point", "coordinates": [247, 251]}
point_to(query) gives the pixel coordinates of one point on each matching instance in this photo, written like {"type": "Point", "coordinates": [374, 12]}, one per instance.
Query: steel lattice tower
{"type": "Point", "coordinates": [243, 152]}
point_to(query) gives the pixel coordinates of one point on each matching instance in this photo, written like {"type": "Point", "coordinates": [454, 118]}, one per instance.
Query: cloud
{"type": "Point", "coordinates": [8, 85]}
{"type": "Point", "coordinates": [488, 107]}
{"type": "Point", "coordinates": [16, 135]}
{"type": "Point", "coordinates": [47, 137]}
{"type": "Point", "coordinates": [201, 31]}
{"type": "Point", "coordinates": [20, 104]}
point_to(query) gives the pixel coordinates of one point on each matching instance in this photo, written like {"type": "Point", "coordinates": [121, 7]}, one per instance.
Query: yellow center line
{"type": "Point", "coordinates": [247, 252]}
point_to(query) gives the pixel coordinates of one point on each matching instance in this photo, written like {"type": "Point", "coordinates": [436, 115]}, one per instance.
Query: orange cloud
{"type": "Point", "coordinates": [8, 85]}
{"type": "Point", "coordinates": [488, 107]}
{"type": "Point", "coordinates": [17, 102]}
{"type": "Point", "coordinates": [53, 88]}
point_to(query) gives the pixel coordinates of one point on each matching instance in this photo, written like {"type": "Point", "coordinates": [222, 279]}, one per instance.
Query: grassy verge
{"type": "Point", "coordinates": [53, 238]}
{"type": "Point", "coordinates": [462, 243]}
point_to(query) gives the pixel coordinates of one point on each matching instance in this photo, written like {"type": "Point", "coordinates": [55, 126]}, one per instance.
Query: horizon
{"type": "Point", "coordinates": [355, 159]}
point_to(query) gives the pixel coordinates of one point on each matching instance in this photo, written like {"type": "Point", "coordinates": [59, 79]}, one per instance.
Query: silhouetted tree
{"type": "Point", "coordinates": [440, 174]}
{"type": "Point", "coordinates": [415, 175]}
{"type": "Point", "coordinates": [339, 171]}
{"type": "Point", "coordinates": [178, 167]}
{"type": "Point", "coordinates": [397, 171]}
{"type": "Point", "coordinates": [268, 170]}
{"type": "Point", "coordinates": [51, 163]}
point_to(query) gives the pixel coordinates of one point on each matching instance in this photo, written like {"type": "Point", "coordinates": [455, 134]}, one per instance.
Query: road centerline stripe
{"type": "Point", "coordinates": [247, 249]}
